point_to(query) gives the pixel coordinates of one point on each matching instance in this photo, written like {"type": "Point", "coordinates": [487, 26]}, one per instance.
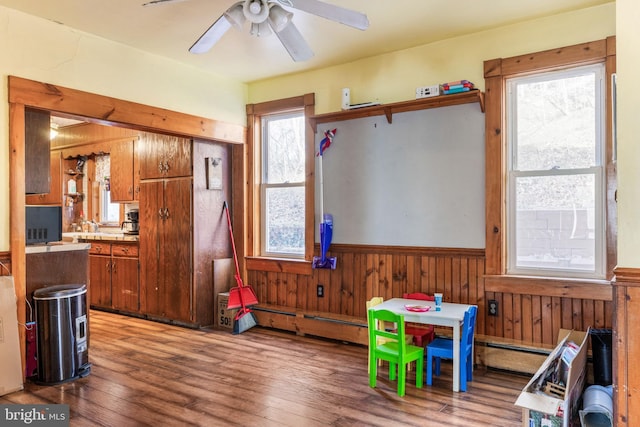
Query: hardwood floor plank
{"type": "Point", "coordinates": [148, 373]}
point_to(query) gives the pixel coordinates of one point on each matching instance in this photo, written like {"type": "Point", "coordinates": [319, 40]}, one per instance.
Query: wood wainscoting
{"type": "Point", "coordinates": [530, 311]}
{"type": "Point", "coordinates": [626, 347]}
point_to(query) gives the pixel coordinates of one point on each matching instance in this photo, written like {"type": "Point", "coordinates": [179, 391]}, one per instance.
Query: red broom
{"type": "Point", "coordinates": [242, 296]}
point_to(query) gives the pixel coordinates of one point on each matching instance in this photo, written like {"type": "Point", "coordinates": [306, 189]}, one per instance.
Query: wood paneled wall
{"type": "Point", "coordinates": [530, 314]}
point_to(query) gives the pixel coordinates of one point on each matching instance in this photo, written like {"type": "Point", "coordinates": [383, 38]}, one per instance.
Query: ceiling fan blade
{"type": "Point", "coordinates": [295, 44]}
{"type": "Point", "coordinates": [211, 36]}
{"type": "Point", "coordinates": [156, 2]}
{"type": "Point", "coordinates": [332, 12]}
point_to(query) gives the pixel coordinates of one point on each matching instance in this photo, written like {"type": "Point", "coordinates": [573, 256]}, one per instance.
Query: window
{"type": "Point", "coordinates": [555, 187]}
{"type": "Point", "coordinates": [109, 212]}
{"type": "Point", "coordinates": [280, 214]}
{"type": "Point", "coordinates": [549, 151]}
{"type": "Point", "coordinates": [283, 185]}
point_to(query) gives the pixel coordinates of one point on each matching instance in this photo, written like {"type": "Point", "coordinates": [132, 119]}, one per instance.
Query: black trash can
{"type": "Point", "coordinates": [601, 348]}
{"type": "Point", "coordinates": [63, 347]}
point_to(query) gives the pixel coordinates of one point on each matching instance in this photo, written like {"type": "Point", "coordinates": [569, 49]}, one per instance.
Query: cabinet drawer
{"type": "Point", "coordinates": [100, 248]}
{"type": "Point", "coordinates": [120, 249]}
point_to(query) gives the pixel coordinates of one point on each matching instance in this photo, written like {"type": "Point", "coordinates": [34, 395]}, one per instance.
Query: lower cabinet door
{"type": "Point", "coordinates": [125, 284]}
{"type": "Point", "coordinates": [100, 281]}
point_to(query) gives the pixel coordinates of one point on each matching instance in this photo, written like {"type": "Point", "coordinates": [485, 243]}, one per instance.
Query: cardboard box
{"type": "Point", "coordinates": [11, 378]}
{"type": "Point", "coordinates": [225, 316]}
{"type": "Point", "coordinates": [223, 278]}
{"type": "Point", "coordinates": [542, 409]}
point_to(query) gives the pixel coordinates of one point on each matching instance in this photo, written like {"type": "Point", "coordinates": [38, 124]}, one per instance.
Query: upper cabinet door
{"type": "Point", "coordinates": [124, 171]}
{"type": "Point", "coordinates": [54, 196]}
{"type": "Point", "coordinates": [37, 141]}
{"type": "Point", "coordinates": [164, 156]}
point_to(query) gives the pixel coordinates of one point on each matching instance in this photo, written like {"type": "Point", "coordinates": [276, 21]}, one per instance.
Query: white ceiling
{"type": "Point", "coordinates": [170, 29]}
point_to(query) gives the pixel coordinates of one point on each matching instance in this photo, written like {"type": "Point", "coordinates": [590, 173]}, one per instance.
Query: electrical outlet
{"type": "Point", "coordinates": [320, 291]}
{"type": "Point", "coordinates": [493, 307]}
{"type": "Point", "coordinates": [427, 91]}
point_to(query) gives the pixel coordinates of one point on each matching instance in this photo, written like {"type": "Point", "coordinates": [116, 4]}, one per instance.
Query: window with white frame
{"type": "Point", "coordinates": [283, 185]}
{"type": "Point", "coordinates": [556, 175]}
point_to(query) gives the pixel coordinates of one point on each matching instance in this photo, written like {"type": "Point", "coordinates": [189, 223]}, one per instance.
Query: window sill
{"type": "Point", "coordinates": [279, 265]}
{"type": "Point", "coordinates": [550, 286]}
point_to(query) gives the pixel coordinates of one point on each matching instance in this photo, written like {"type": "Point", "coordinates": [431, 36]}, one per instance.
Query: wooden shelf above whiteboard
{"type": "Point", "coordinates": [400, 107]}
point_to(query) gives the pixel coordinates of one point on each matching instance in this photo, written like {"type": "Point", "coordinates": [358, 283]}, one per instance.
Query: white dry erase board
{"type": "Point", "coordinates": [416, 182]}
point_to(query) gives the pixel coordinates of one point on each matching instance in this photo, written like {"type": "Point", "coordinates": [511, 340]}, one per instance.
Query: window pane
{"type": "Point", "coordinates": [555, 222]}
{"type": "Point", "coordinates": [109, 212]}
{"type": "Point", "coordinates": [284, 154]}
{"type": "Point", "coordinates": [556, 126]}
{"type": "Point", "coordinates": [285, 220]}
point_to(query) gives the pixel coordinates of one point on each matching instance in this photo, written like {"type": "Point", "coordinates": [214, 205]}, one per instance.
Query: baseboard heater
{"type": "Point", "coordinates": [517, 348]}
{"type": "Point", "coordinates": [329, 319]}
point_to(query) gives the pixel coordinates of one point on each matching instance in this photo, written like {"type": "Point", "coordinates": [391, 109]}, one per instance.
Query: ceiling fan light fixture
{"type": "Point", "coordinates": [260, 30]}
{"type": "Point", "coordinates": [235, 16]}
{"type": "Point", "coordinates": [256, 11]}
{"type": "Point", "coordinates": [279, 17]}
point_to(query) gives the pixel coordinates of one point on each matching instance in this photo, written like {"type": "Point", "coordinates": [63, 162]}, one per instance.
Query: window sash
{"type": "Point", "coordinates": [517, 265]}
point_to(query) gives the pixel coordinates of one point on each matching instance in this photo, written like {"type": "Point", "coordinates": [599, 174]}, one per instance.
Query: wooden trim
{"type": "Point", "coordinates": [594, 51]}
{"type": "Point", "coordinates": [252, 179]}
{"type": "Point", "coordinates": [550, 287]}
{"type": "Point", "coordinates": [495, 193]}
{"type": "Point", "coordinates": [611, 168]}
{"type": "Point", "coordinates": [303, 267]}
{"type": "Point", "coordinates": [627, 276]}
{"type": "Point", "coordinates": [97, 109]}
{"type": "Point", "coordinates": [278, 265]}
{"type": "Point", "coordinates": [17, 213]}
{"type": "Point", "coordinates": [399, 107]}
{"type": "Point", "coordinates": [406, 250]}
{"type": "Point", "coordinates": [111, 111]}
{"type": "Point", "coordinates": [280, 105]}
{"type": "Point", "coordinates": [310, 180]}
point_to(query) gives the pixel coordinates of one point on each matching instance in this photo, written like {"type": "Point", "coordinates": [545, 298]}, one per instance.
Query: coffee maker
{"type": "Point", "coordinates": [131, 225]}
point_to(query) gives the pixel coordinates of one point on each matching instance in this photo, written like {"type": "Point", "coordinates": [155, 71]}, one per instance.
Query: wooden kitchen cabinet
{"type": "Point", "coordinates": [165, 248]}
{"type": "Point", "coordinates": [100, 275]}
{"type": "Point", "coordinates": [164, 156]}
{"type": "Point", "coordinates": [125, 283]}
{"type": "Point", "coordinates": [54, 196]}
{"type": "Point", "coordinates": [125, 172]}
{"type": "Point", "coordinates": [114, 278]}
{"type": "Point", "coordinates": [37, 142]}
{"type": "Point", "coordinates": [182, 231]}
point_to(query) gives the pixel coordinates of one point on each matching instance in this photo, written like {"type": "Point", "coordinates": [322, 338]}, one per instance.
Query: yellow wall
{"type": "Point", "coordinates": [44, 51]}
{"type": "Point", "coordinates": [628, 64]}
{"type": "Point", "coordinates": [41, 50]}
{"type": "Point", "coordinates": [394, 77]}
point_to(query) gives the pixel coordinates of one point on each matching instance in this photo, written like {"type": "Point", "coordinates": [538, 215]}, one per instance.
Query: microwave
{"type": "Point", "coordinates": [43, 224]}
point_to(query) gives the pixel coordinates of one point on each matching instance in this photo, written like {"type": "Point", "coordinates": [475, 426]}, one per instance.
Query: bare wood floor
{"type": "Point", "coordinates": [147, 373]}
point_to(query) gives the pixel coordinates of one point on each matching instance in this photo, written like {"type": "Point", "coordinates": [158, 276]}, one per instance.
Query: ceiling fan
{"type": "Point", "coordinates": [267, 16]}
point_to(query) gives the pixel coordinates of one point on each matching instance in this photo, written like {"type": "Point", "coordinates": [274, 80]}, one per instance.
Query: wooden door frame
{"type": "Point", "coordinates": [97, 109]}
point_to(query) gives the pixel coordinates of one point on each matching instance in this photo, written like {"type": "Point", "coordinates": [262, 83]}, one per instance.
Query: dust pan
{"type": "Point", "coordinates": [242, 296]}
{"type": "Point", "coordinates": [241, 293]}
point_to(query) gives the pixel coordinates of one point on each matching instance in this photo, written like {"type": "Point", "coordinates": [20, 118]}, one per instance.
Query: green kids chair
{"type": "Point", "coordinates": [394, 349]}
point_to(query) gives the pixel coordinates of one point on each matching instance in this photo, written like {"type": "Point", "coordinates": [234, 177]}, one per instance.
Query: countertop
{"type": "Point", "coordinates": [82, 236]}
{"type": "Point", "coordinates": [56, 247]}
